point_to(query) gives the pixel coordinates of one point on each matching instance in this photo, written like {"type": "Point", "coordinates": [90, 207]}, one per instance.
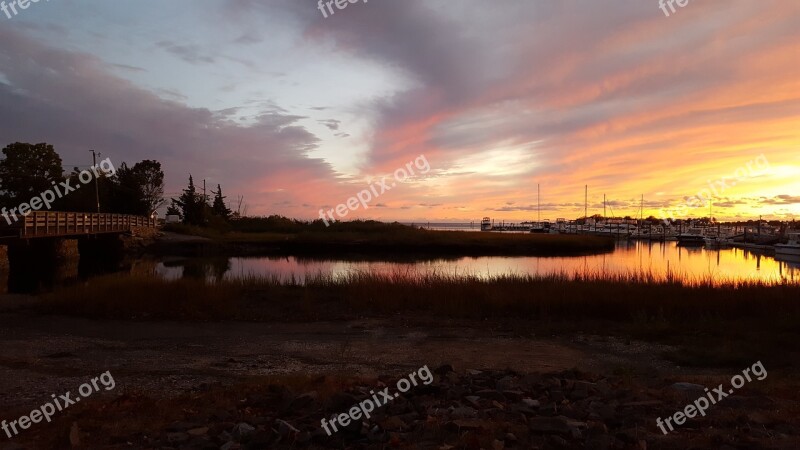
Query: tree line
{"type": "Point", "coordinates": [194, 208]}
{"type": "Point", "coordinates": [28, 170]}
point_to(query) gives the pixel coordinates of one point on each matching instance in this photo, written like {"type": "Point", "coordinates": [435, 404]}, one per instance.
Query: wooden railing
{"type": "Point", "coordinates": [50, 223]}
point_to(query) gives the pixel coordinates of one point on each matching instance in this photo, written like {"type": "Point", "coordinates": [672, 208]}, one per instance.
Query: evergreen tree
{"type": "Point", "coordinates": [219, 207]}
{"type": "Point", "coordinates": [173, 210]}
{"type": "Point", "coordinates": [191, 204]}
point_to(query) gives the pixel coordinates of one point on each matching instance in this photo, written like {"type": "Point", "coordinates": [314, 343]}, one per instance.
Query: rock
{"type": "Point", "coordinates": [506, 384]}
{"type": "Point", "coordinates": [259, 440]}
{"type": "Point", "coordinates": [688, 387]}
{"type": "Point", "coordinates": [513, 394]}
{"type": "Point", "coordinates": [530, 403]}
{"type": "Point", "coordinates": [178, 437]}
{"type": "Point", "coordinates": [75, 435]}
{"type": "Point", "coordinates": [491, 394]}
{"type": "Point", "coordinates": [243, 430]}
{"type": "Point", "coordinates": [578, 394]}
{"type": "Point", "coordinates": [394, 423]}
{"type": "Point", "coordinates": [604, 411]}
{"type": "Point", "coordinates": [585, 385]}
{"type": "Point", "coordinates": [558, 441]}
{"type": "Point", "coordinates": [548, 425]}
{"type": "Point", "coordinates": [602, 442]}
{"type": "Point", "coordinates": [182, 426]}
{"type": "Point", "coordinates": [443, 369]}
{"type": "Point", "coordinates": [759, 418]}
{"type": "Point", "coordinates": [198, 431]}
{"type": "Point", "coordinates": [644, 403]}
{"type": "Point", "coordinates": [473, 400]}
{"type": "Point", "coordinates": [498, 445]}
{"type": "Point", "coordinates": [303, 438]}
{"type": "Point", "coordinates": [550, 409]}
{"type": "Point", "coordinates": [231, 445]}
{"type": "Point", "coordinates": [555, 425]}
{"type": "Point", "coordinates": [557, 396]}
{"type": "Point", "coordinates": [530, 382]}
{"type": "Point", "coordinates": [341, 401]}
{"type": "Point", "coordinates": [303, 401]}
{"type": "Point", "coordinates": [466, 424]}
{"type": "Point", "coordinates": [12, 446]}
{"type": "Point", "coordinates": [452, 378]}
{"type": "Point", "coordinates": [739, 401]}
{"type": "Point", "coordinates": [285, 429]}
{"type": "Point", "coordinates": [602, 387]}
{"type": "Point", "coordinates": [221, 415]}
{"type": "Point", "coordinates": [463, 412]}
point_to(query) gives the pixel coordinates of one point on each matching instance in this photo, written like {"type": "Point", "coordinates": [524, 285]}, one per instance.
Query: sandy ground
{"type": "Point", "coordinates": [43, 355]}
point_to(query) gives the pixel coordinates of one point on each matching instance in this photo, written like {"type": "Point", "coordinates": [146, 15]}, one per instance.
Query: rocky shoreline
{"type": "Point", "coordinates": [485, 410]}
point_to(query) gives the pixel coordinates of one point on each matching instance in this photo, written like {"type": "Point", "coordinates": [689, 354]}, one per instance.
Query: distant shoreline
{"type": "Point", "coordinates": [383, 239]}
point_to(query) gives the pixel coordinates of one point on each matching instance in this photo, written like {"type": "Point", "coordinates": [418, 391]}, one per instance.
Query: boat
{"type": "Point", "coordinates": [541, 227]}
{"type": "Point", "coordinates": [717, 242]}
{"type": "Point", "coordinates": [693, 237]}
{"type": "Point", "coordinates": [486, 224]}
{"type": "Point", "coordinates": [791, 248]}
{"type": "Point", "coordinates": [717, 238]}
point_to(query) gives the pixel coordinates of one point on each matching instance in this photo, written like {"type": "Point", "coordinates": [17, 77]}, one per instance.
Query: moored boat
{"type": "Point", "coordinates": [693, 237]}
{"type": "Point", "coordinates": [791, 248]}
{"type": "Point", "coordinates": [717, 242]}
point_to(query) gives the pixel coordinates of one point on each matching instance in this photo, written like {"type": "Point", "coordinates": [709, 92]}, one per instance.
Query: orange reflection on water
{"type": "Point", "coordinates": [658, 260]}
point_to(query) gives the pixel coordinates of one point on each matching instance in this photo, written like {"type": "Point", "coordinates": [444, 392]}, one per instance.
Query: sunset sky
{"type": "Point", "coordinates": [297, 112]}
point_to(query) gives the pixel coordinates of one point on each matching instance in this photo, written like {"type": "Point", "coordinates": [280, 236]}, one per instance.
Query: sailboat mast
{"type": "Point", "coordinates": [641, 209]}
{"type": "Point", "coordinates": [538, 203]}
{"type": "Point", "coordinates": [586, 203]}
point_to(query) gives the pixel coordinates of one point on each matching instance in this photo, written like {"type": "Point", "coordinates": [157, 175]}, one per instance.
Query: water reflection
{"type": "Point", "coordinates": [214, 269]}
{"type": "Point", "coordinates": [657, 259]}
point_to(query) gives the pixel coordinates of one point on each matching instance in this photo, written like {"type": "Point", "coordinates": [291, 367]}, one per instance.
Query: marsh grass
{"type": "Point", "coordinates": [144, 297]}
{"type": "Point", "coordinates": [636, 298]}
{"type": "Point", "coordinates": [711, 322]}
{"type": "Point", "coordinates": [386, 239]}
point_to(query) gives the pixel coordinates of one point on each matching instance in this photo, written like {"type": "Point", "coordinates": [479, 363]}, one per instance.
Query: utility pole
{"type": "Point", "coordinates": [96, 181]}
{"type": "Point", "coordinates": [205, 199]}
{"type": "Point", "coordinates": [586, 204]}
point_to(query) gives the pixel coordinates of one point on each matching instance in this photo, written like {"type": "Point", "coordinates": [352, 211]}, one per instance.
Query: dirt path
{"type": "Point", "coordinates": [46, 355]}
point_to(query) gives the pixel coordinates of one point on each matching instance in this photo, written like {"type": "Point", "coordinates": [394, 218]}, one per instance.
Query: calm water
{"type": "Point", "coordinates": [634, 257]}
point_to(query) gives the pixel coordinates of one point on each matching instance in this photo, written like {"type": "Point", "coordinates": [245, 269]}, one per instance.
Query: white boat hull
{"type": "Point", "coordinates": [788, 250]}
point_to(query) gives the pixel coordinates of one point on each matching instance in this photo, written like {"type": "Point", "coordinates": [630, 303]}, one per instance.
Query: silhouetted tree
{"type": "Point", "coordinates": [219, 208]}
{"type": "Point", "coordinates": [140, 189]}
{"type": "Point", "coordinates": [173, 210]}
{"type": "Point", "coordinates": [27, 171]}
{"type": "Point", "coordinates": [192, 205]}
{"type": "Point", "coordinates": [83, 197]}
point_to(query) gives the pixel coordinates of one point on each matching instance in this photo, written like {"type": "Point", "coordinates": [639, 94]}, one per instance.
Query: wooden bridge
{"type": "Point", "coordinates": [44, 224]}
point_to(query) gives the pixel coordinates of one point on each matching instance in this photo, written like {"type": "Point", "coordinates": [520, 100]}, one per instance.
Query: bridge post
{"type": "Point", "coordinates": [100, 253]}
{"type": "Point", "coordinates": [38, 263]}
